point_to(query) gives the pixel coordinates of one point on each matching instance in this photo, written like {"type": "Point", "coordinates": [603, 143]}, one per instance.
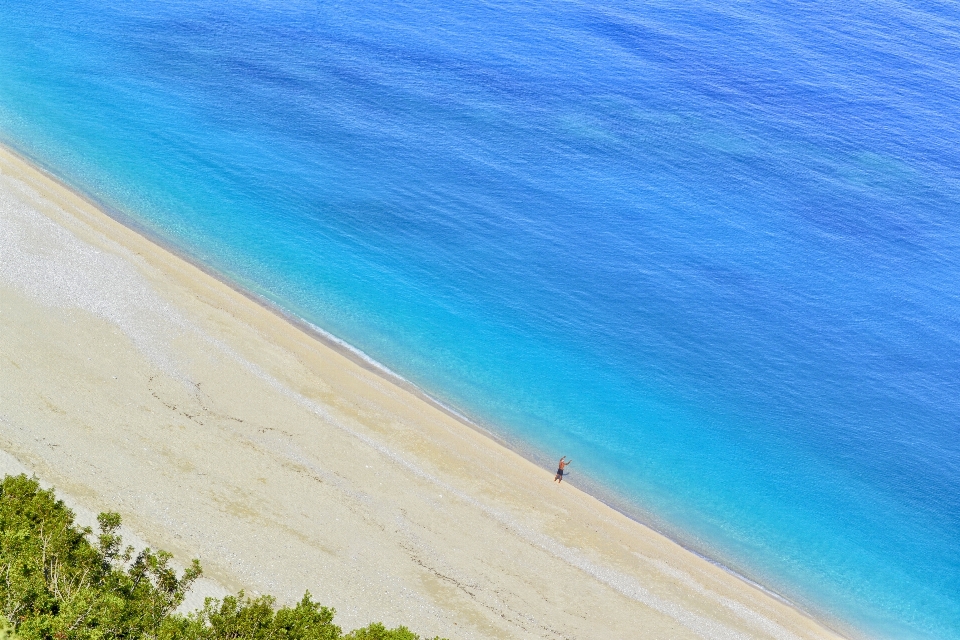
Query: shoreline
{"type": "Point", "coordinates": [319, 334]}
{"type": "Point", "coordinates": [609, 498]}
{"type": "Point", "coordinates": [363, 361]}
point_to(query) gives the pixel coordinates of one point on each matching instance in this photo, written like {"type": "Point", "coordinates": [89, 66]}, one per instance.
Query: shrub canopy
{"type": "Point", "coordinates": [57, 582]}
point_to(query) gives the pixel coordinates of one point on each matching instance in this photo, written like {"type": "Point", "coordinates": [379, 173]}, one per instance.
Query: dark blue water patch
{"type": "Point", "coordinates": [708, 248]}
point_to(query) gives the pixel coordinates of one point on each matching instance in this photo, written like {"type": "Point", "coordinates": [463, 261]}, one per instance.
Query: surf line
{"type": "Point", "coordinates": [622, 583]}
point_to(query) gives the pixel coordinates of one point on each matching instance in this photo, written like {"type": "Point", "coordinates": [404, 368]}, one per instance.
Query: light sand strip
{"type": "Point", "coordinates": [133, 381]}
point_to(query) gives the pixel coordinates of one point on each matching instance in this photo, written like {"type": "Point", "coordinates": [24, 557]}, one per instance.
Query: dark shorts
{"type": "Point", "coordinates": [559, 472]}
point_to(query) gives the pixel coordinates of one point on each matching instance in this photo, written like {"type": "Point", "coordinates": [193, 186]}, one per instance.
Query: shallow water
{"type": "Point", "coordinates": [709, 251]}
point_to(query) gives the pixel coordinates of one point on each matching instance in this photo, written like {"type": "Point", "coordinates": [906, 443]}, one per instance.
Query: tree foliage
{"type": "Point", "coordinates": [57, 584]}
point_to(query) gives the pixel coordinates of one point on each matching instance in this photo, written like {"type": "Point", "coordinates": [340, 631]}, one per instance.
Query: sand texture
{"type": "Point", "coordinates": [132, 381]}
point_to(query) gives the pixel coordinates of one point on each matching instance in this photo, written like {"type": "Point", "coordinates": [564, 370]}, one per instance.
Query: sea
{"type": "Point", "coordinates": [709, 250]}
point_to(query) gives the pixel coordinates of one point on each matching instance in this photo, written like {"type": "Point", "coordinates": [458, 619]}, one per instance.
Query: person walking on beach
{"type": "Point", "coordinates": [563, 464]}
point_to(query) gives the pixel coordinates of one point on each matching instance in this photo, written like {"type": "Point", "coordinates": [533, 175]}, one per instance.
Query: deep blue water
{"type": "Point", "coordinates": [710, 250]}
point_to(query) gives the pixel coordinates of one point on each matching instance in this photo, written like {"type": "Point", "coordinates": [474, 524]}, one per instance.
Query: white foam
{"type": "Point", "coordinates": [45, 260]}
{"type": "Point", "coordinates": [619, 581]}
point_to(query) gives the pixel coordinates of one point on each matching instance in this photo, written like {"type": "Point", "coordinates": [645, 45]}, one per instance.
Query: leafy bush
{"type": "Point", "coordinates": [254, 618]}
{"type": "Point", "coordinates": [55, 584]}
{"type": "Point", "coordinates": [377, 631]}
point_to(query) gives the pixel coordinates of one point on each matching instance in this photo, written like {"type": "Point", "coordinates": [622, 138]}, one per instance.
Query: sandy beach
{"type": "Point", "coordinates": [130, 380]}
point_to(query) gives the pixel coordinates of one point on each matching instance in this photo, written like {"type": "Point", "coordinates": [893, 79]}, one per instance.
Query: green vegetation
{"type": "Point", "coordinates": [57, 584]}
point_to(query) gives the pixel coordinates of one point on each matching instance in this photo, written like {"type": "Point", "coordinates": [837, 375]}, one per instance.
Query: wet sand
{"type": "Point", "coordinates": [131, 380]}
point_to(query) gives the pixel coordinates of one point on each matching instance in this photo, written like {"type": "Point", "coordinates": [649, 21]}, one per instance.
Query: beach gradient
{"type": "Point", "coordinates": [133, 381]}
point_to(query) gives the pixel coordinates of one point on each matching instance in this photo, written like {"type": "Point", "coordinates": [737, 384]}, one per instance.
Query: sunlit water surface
{"type": "Point", "coordinates": [710, 250]}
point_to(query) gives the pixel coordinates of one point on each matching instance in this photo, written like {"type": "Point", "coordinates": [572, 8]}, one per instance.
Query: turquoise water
{"type": "Point", "coordinates": [710, 251]}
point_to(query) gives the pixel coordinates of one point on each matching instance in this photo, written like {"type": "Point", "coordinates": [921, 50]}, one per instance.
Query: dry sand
{"type": "Point", "coordinates": [132, 381]}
